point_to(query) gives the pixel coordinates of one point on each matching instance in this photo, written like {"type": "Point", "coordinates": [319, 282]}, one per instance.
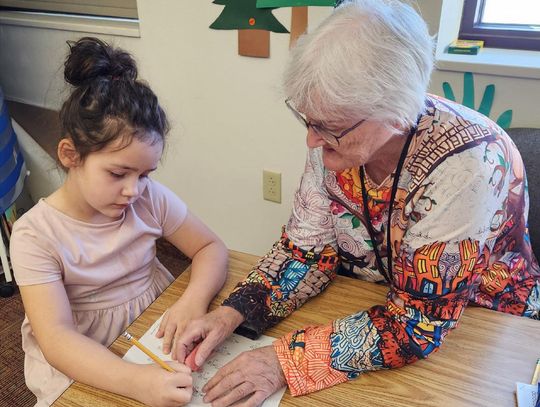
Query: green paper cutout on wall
{"type": "Point", "coordinates": [293, 3]}
{"type": "Point", "coordinates": [504, 120]}
{"type": "Point", "coordinates": [244, 15]}
{"type": "Point", "coordinates": [299, 14]}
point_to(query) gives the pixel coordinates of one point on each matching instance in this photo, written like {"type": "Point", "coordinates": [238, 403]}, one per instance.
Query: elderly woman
{"type": "Point", "coordinates": [400, 187]}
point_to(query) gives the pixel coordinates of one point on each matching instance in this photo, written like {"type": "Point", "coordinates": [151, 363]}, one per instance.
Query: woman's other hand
{"type": "Point", "coordinates": [252, 376]}
{"type": "Point", "coordinates": [157, 387]}
{"type": "Point", "coordinates": [209, 332]}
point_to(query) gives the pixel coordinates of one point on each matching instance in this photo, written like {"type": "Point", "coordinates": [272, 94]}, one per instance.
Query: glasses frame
{"type": "Point", "coordinates": [327, 135]}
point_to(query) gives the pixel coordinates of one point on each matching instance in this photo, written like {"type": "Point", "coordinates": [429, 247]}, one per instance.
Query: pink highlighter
{"type": "Point", "coordinates": [190, 360]}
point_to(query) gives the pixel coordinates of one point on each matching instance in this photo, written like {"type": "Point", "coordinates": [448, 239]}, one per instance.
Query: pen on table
{"type": "Point", "coordinates": [536, 375]}
{"type": "Point", "coordinates": [148, 352]}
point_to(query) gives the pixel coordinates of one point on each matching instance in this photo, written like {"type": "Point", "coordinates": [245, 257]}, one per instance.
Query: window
{"type": "Point", "coordinates": [428, 287]}
{"type": "Point", "coordinates": [103, 8]}
{"type": "Point", "coordinates": [501, 25]}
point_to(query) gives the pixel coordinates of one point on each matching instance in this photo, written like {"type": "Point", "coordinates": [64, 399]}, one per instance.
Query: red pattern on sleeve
{"type": "Point", "coordinates": [305, 358]}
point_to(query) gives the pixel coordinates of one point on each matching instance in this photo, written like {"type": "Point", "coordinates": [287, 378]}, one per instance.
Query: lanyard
{"type": "Point", "coordinates": [388, 275]}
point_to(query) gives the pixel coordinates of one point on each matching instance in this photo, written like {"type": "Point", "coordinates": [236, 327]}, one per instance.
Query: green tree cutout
{"type": "Point", "coordinates": [504, 120]}
{"type": "Point", "coordinates": [298, 14]}
{"type": "Point", "coordinates": [244, 15]}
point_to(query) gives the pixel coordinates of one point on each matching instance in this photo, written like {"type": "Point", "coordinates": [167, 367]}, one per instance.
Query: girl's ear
{"type": "Point", "coordinates": [67, 153]}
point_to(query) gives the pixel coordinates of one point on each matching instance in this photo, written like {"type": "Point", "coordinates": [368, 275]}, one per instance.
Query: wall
{"type": "Point", "coordinates": [229, 120]}
{"type": "Point", "coordinates": [228, 116]}
{"type": "Point", "coordinates": [44, 175]}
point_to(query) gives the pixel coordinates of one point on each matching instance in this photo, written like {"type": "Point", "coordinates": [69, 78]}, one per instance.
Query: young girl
{"type": "Point", "coordinates": [85, 257]}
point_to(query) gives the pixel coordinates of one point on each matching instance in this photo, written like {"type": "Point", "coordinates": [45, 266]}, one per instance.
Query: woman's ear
{"type": "Point", "coordinates": [67, 153]}
{"type": "Point", "coordinates": [398, 128]}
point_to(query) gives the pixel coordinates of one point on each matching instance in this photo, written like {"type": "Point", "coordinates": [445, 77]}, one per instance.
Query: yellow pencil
{"type": "Point", "coordinates": [148, 352]}
{"type": "Point", "coordinates": [536, 375]}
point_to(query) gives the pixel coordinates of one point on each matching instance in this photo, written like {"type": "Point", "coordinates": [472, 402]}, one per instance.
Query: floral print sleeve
{"type": "Point", "coordinates": [299, 266]}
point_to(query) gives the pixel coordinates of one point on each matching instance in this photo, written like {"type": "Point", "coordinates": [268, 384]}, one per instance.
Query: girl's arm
{"type": "Point", "coordinates": [87, 361]}
{"type": "Point", "coordinates": [208, 273]}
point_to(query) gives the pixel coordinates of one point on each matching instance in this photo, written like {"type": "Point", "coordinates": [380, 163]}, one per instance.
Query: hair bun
{"type": "Point", "coordinates": [90, 59]}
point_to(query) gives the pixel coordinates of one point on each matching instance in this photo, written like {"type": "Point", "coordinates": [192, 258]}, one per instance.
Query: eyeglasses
{"type": "Point", "coordinates": [326, 135]}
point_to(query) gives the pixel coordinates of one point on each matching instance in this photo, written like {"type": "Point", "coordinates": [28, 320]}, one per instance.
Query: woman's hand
{"type": "Point", "coordinates": [157, 387]}
{"type": "Point", "coordinates": [209, 331]}
{"type": "Point", "coordinates": [254, 375]}
{"type": "Point", "coordinates": [175, 321]}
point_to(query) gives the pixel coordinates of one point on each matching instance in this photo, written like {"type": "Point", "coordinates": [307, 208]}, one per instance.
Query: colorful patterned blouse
{"type": "Point", "coordinates": [459, 234]}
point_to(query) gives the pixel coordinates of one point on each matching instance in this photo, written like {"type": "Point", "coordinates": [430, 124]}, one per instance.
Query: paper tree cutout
{"type": "Point", "coordinates": [244, 15]}
{"type": "Point", "coordinates": [299, 13]}
{"type": "Point", "coordinates": [253, 26]}
{"type": "Point", "coordinates": [504, 120]}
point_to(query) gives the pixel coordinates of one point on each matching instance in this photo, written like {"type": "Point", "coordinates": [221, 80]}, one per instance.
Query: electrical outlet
{"type": "Point", "coordinates": [272, 186]}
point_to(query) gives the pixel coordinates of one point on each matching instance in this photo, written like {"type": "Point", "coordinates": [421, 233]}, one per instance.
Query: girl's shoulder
{"type": "Point", "coordinates": [34, 246]}
{"type": "Point", "coordinates": [41, 228]}
{"type": "Point", "coordinates": [36, 218]}
{"type": "Point", "coordinates": [162, 205]}
{"type": "Point", "coordinates": [157, 196]}
{"type": "Point", "coordinates": [47, 220]}
{"type": "Point", "coordinates": [155, 190]}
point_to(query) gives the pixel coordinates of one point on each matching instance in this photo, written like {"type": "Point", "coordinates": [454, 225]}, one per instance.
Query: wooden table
{"type": "Point", "coordinates": [478, 364]}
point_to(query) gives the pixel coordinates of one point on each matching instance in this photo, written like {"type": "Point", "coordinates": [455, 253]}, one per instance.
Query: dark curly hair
{"type": "Point", "coordinates": [107, 101]}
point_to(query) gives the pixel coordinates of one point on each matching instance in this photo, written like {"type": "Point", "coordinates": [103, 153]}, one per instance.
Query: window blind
{"type": "Point", "coordinates": [109, 8]}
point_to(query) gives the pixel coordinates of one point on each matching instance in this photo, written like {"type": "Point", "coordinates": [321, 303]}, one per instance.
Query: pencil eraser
{"type": "Point", "coordinates": [190, 360]}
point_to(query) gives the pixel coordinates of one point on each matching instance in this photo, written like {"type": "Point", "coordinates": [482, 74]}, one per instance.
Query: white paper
{"type": "Point", "coordinates": [231, 348]}
{"type": "Point", "coordinates": [526, 394]}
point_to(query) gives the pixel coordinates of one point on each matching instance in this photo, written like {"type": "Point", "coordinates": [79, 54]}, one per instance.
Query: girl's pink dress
{"type": "Point", "coordinates": [110, 271]}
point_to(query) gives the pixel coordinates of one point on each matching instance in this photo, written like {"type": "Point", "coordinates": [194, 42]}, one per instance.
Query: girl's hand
{"type": "Point", "coordinates": [175, 321]}
{"type": "Point", "coordinates": [157, 387]}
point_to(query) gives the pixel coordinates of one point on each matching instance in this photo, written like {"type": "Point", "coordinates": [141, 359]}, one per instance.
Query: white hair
{"type": "Point", "coordinates": [370, 59]}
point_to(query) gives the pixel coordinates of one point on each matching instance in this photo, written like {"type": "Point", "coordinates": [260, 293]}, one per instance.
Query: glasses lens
{"type": "Point", "coordinates": [325, 135]}
{"type": "Point", "coordinates": [300, 118]}
{"type": "Point", "coordinates": [297, 114]}
{"type": "Point", "coordinates": [321, 132]}
{"type": "Point", "coordinates": [329, 138]}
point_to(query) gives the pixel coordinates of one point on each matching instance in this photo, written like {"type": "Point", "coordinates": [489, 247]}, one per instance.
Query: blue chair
{"type": "Point", "coordinates": [12, 175]}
